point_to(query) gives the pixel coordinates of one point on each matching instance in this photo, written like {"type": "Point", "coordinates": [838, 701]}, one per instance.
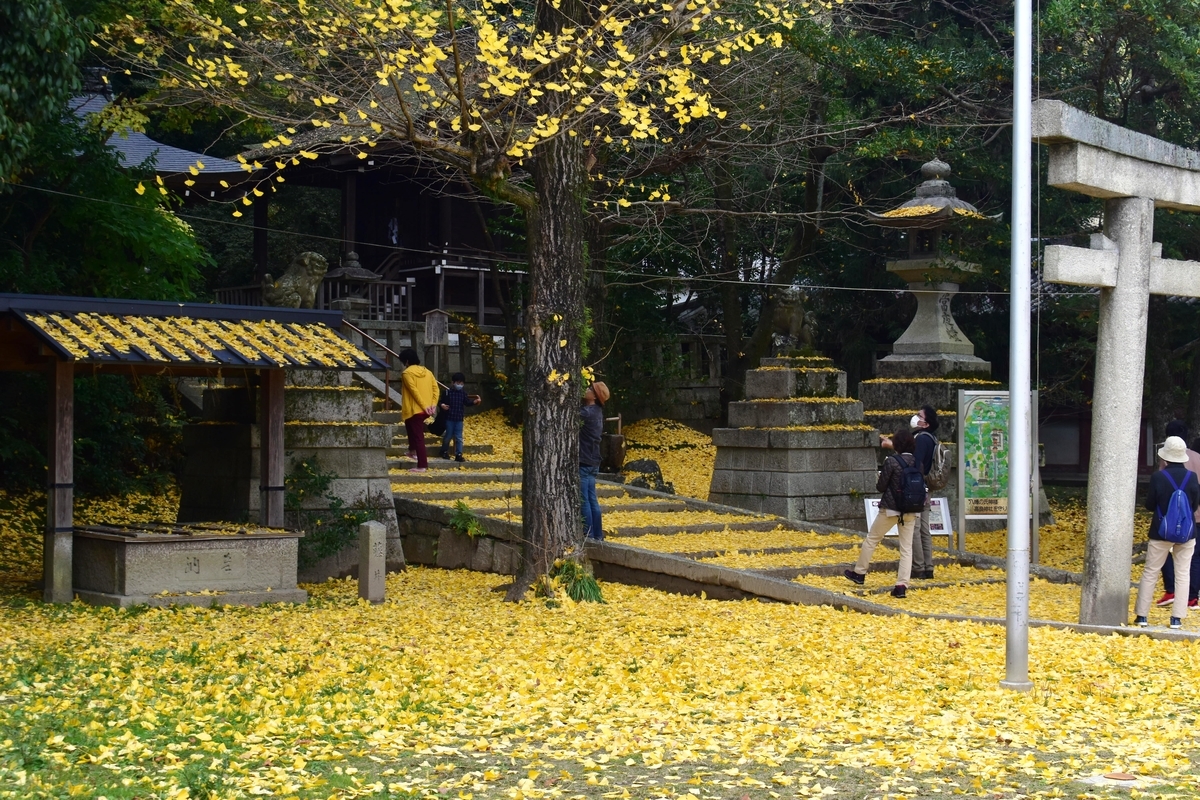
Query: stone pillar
{"type": "Point", "coordinates": [1117, 413]}
{"type": "Point", "coordinates": [372, 553]}
{"type": "Point", "coordinates": [58, 542]}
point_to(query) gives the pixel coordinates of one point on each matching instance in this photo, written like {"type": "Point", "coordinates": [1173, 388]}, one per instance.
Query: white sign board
{"type": "Point", "coordinates": [939, 516]}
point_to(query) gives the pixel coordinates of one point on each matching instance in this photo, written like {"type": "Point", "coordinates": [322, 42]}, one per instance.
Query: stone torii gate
{"type": "Point", "coordinates": [1135, 174]}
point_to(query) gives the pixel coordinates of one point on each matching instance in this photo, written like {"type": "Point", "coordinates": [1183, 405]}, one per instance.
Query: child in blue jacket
{"type": "Point", "coordinates": [453, 403]}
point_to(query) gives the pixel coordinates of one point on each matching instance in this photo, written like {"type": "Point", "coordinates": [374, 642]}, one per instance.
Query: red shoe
{"type": "Point", "coordinates": [1166, 599]}
{"type": "Point", "coordinates": [1193, 602]}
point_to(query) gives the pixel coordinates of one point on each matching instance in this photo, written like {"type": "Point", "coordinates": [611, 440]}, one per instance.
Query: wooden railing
{"type": "Point", "coordinates": [387, 301]}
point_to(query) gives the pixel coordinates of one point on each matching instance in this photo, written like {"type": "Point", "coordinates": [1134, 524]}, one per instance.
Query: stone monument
{"type": "Point", "coordinates": [298, 286]}
{"type": "Point", "coordinates": [1134, 174]}
{"type": "Point", "coordinates": [372, 561]}
{"type": "Point", "coordinates": [796, 446]}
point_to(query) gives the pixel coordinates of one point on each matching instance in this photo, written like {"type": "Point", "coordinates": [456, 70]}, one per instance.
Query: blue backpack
{"type": "Point", "coordinates": [1177, 524]}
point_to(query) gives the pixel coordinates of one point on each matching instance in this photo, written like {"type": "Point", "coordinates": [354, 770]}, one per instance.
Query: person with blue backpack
{"type": "Point", "coordinates": [1178, 427]}
{"type": "Point", "coordinates": [902, 483]}
{"type": "Point", "coordinates": [1173, 496]}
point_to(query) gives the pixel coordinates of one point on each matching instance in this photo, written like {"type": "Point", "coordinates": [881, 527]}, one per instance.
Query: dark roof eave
{"type": "Point", "coordinates": [159, 308]}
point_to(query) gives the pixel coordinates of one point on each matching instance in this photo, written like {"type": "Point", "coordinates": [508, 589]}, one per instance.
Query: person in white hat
{"type": "Point", "coordinates": [1173, 477]}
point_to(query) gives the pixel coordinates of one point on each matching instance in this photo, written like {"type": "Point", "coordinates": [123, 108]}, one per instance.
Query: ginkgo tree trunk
{"type": "Point", "coordinates": [514, 96]}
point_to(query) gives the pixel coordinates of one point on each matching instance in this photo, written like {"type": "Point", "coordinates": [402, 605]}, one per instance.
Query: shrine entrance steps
{"type": "Point", "coordinates": [688, 546]}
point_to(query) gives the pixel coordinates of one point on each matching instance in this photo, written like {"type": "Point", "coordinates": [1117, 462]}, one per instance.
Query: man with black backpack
{"type": "Point", "coordinates": [1173, 497]}
{"type": "Point", "coordinates": [903, 487]}
{"type": "Point", "coordinates": [930, 454]}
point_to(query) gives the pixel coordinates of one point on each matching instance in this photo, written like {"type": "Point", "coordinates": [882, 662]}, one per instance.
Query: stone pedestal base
{"type": "Point", "coordinates": [797, 446]}
{"type": "Point", "coordinates": [937, 365]}
{"type": "Point", "coordinates": [163, 569]}
{"type": "Point", "coordinates": [814, 475]}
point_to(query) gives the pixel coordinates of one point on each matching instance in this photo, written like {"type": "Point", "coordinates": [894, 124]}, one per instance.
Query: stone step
{"type": "Point", "coordinates": [651, 506]}
{"type": "Point", "coordinates": [797, 361]}
{"type": "Point", "coordinates": [779, 383]}
{"type": "Point", "coordinates": [438, 464]}
{"type": "Point", "coordinates": [890, 421]}
{"type": "Point", "coordinates": [797, 411]}
{"type": "Point", "coordinates": [914, 393]}
{"type": "Point", "coordinates": [390, 417]}
{"type": "Point", "coordinates": [797, 438]}
{"type": "Point", "coordinates": [466, 475]}
{"type": "Point", "coordinates": [469, 492]}
{"type": "Point", "coordinates": [834, 570]}
{"type": "Point", "coordinates": [399, 448]}
{"type": "Point", "coordinates": [696, 527]}
{"type": "Point", "coordinates": [766, 551]}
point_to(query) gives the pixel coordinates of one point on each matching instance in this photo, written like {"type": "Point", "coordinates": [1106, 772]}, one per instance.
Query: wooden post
{"type": "Point", "coordinates": [270, 429]}
{"type": "Point", "coordinates": [480, 294]}
{"type": "Point", "coordinates": [60, 490]}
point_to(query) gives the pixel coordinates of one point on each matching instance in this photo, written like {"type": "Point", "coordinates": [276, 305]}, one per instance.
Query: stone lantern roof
{"type": "Point", "coordinates": [935, 204]}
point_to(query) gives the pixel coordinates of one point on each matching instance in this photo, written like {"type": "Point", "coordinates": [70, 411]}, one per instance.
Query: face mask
{"type": "Point", "coordinates": [915, 422]}
{"type": "Point", "coordinates": [458, 386]}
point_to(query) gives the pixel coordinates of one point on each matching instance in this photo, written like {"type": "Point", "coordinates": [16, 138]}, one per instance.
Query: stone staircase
{"type": "Point", "coordinates": [665, 549]}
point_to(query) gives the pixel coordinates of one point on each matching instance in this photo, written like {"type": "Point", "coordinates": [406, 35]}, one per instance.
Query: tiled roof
{"type": "Point", "coordinates": [134, 148]}
{"type": "Point", "coordinates": [188, 335]}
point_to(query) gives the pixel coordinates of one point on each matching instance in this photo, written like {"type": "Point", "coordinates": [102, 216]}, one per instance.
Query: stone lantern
{"type": "Point", "coordinates": [353, 283]}
{"type": "Point", "coordinates": [933, 345]}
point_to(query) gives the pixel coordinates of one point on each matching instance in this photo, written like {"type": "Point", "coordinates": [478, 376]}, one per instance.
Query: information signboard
{"type": "Point", "coordinates": [939, 516]}
{"type": "Point", "coordinates": [983, 444]}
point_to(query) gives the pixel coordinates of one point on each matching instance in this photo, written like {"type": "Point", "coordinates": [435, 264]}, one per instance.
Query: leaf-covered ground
{"type": "Point", "coordinates": [445, 690]}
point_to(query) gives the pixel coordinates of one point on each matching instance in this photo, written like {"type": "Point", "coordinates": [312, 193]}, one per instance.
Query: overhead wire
{"type": "Point", "coordinates": [642, 279]}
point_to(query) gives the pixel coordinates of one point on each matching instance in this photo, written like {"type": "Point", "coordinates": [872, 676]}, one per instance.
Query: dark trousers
{"type": "Point", "coordinates": [415, 425]}
{"type": "Point", "coordinates": [1169, 577]}
{"type": "Point", "coordinates": [591, 504]}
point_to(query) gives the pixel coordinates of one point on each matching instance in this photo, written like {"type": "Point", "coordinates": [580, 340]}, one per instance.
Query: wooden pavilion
{"type": "Point", "coordinates": [66, 336]}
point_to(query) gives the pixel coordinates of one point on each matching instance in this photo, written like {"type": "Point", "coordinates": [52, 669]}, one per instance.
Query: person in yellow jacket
{"type": "Point", "coordinates": [418, 402]}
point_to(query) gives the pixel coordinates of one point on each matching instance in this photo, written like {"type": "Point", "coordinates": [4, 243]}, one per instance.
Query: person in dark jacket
{"type": "Point", "coordinates": [453, 403]}
{"type": "Point", "coordinates": [925, 425]}
{"type": "Point", "coordinates": [1162, 485]}
{"type": "Point", "coordinates": [591, 428]}
{"type": "Point", "coordinates": [889, 484]}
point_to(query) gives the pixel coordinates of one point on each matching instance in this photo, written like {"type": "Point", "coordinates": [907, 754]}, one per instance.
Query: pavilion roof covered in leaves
{"type": "Point", "coordinates": [181, 336]}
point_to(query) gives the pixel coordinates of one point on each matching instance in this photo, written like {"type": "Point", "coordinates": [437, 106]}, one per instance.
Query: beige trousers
{"type": "Point", "coordinates": [882, 524]}
{"type": "Point", "coordinates": [1156, 556]}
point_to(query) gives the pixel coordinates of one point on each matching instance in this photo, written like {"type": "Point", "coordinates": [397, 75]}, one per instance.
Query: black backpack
{"type": "Point", "coordinates": [911, 499]}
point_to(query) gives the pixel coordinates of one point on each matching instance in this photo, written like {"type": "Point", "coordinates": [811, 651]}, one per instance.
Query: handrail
{"type": "Point", "coordinates": [387, 374]}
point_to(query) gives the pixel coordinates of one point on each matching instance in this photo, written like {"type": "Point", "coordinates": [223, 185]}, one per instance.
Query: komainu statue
{"type": "Point", "coordinates": [296, 288]}
{"type": "Point", "coordinates": [792, 326]}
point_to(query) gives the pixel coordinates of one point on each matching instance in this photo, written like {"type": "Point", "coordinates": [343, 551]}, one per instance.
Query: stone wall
{"type": "Point", "coordinates": [326, 417]}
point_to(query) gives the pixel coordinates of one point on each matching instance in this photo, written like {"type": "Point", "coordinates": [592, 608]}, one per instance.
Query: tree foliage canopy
{"type": "Point", "coordinates": [40, 44]}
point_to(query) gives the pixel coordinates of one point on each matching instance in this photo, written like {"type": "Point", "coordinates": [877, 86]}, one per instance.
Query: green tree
{"type": "Point", "coordinates": [75, 223]}
{"type": "Point", "coordinates": [835, 122]}
{"type": "Point", "coordinates": [40, 44]}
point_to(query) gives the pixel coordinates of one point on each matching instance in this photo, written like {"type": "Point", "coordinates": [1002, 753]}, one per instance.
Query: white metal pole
{"type": "Point", "coordinates": [1019, 450]}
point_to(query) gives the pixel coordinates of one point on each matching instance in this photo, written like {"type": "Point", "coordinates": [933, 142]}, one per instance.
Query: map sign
{"type": "Point", "coordinates": [984, 435]}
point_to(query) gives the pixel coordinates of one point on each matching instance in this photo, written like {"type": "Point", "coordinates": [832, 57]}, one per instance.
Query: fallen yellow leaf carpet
{"type": "Point", "coordinates": [445, 689]}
